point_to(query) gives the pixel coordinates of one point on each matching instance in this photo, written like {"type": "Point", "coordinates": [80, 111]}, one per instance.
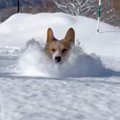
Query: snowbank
{"type": "Point", "coordinates": [20, 28]}
{"type": "Point", "coordinates": [34, 62]}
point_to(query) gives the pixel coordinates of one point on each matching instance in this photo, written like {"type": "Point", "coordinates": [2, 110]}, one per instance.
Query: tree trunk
{"type": "Point", "coordinates": [18, 6]}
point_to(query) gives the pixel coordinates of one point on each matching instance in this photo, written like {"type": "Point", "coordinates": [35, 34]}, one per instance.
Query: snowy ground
{"type": "Point", "coordinates": [86, 87]}
{"type": "Point", "coordinates": [56, 99]}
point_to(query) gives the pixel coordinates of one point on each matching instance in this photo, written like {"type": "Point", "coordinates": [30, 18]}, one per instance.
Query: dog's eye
{"type": "Point", "coordinates": [64, 50]}
{"type": "Point", "coordinates": [53, 50]}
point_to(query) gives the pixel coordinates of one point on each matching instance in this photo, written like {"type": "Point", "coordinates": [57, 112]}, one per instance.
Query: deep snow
{"type": "Point", "coordinates": [33, 87]}
{"type": "Point", "coordinates": [79, 64]}
{"type": "Point", "coordinates": [20, 28]}
{"type": "Point", "coordinates": [56, 99]}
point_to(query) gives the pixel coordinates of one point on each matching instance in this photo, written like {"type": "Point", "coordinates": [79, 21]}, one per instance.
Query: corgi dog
{"type": "Point", "coordinates": [58, 50]}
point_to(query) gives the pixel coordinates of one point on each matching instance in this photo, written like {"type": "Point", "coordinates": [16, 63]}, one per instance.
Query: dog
{"type": "Point", "coordinates": [58, 50]}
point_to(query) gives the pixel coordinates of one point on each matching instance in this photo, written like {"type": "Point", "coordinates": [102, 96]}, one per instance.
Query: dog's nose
{"type": "Point", "coordinates": [58, 59]}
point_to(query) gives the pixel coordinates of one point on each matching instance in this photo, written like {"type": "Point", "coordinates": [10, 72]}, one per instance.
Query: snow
{"type": "Point", "coordinates": [86, 99]}
{"type": "Point", "coordinates": [22, 27]}
{"type": "Point", "coordinates": [86, 87]}
{"type": "Point", "coordinates": [78, 64]}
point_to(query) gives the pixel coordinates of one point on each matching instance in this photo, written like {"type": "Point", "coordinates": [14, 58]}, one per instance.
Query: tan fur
{"type": "Point", "coordinates": [61, 46]}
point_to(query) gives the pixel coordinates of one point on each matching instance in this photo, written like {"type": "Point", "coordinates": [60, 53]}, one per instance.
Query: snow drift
{"type": "Point", "coordinates": [34, 62]}
{"type": "Point", "coordinates": [22, 27]}
{"type": "Point", "coordinates": [98, 52]}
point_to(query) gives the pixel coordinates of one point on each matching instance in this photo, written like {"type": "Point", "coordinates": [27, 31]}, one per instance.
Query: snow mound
{"type": "Point", "coordinates": [33, 62]}
{"type": "Point", "coordinates": [19, 28]}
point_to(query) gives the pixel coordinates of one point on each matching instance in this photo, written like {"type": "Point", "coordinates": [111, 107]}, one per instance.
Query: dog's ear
{"type": "Point", "coordinates": [50, 35]}
{"type": "Point", "coordinates": [70, 36]}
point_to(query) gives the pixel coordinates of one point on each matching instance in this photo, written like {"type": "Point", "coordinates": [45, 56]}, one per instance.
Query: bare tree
{"type": "Point", "coordinates": [75, 7]}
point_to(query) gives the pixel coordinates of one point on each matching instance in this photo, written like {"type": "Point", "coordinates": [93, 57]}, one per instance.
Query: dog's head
{"type": "Point", "coordinates": [58, 50]}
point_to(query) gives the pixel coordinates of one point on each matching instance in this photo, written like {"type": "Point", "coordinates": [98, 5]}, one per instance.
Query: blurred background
{"type": "Point", "coordinates": [110, 9]}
